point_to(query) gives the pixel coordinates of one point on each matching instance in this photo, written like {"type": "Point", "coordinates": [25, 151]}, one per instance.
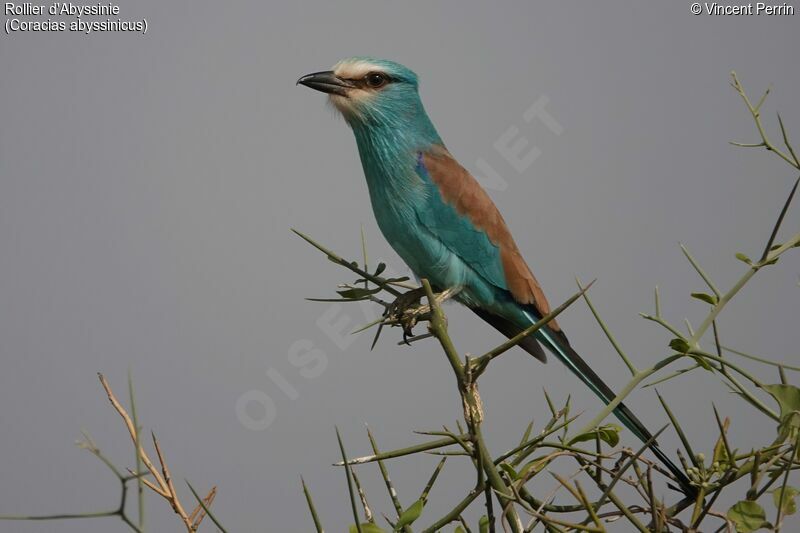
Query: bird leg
{"type": "Point", "coordinates": [406, 311]}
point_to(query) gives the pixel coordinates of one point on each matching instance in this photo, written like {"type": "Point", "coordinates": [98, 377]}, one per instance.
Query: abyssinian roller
{"type": "Point", "coordinates": [441, 222]}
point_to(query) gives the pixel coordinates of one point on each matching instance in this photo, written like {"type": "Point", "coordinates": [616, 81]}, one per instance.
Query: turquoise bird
{"type": "Point", "coordinates": [441, 222]}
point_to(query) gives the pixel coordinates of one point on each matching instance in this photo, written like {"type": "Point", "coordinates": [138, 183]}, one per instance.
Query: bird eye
{"type": "Point", "coordinates": [376, 79]}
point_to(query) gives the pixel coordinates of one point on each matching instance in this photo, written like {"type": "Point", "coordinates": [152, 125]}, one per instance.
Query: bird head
{"type": "Point", "coordinates": [370, 92]}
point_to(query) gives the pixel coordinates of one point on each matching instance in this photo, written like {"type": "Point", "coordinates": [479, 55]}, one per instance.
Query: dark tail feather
{"type": "Point", "coordinates": [508, 329]}
{"type": "Point", "coordinates": [557, 343]}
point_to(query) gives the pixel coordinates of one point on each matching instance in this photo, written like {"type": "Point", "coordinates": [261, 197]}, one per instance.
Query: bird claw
{"type": "Point", "coordinates": [406, 311]}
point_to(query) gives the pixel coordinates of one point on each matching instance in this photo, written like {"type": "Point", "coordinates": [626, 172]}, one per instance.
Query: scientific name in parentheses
{"type": "Point", "coordinates": [61, 8]}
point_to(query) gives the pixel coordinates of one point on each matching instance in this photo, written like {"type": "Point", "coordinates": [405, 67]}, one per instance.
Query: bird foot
{"type": "Point", "coordinates": [406, 311]}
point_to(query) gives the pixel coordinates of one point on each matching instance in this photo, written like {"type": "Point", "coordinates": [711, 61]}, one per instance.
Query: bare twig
{"type": "Point", "coordinates": [162, 484]}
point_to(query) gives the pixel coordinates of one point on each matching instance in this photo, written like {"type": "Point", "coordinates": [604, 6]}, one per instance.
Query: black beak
{"type": "Point", "coordinates": [327, 82]}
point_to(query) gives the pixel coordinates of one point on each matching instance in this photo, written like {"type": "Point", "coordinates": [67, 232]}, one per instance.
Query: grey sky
{"type": "Point", "coordinates": [148, 184]}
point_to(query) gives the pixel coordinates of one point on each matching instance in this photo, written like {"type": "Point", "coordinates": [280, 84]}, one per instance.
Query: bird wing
{"type": "Point", "coordinates": [470, 225]}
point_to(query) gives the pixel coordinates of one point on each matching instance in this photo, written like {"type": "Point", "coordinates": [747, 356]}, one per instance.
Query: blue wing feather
{"type": "Point", "coordinates": [456, 232]}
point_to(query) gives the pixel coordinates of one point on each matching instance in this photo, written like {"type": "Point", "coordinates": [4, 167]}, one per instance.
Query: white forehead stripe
{"type": "Point", "coordinates": [354, 69]}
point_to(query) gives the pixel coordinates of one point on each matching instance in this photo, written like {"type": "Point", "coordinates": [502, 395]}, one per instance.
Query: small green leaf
{"type": "Point", "coordinates": [508, 469]}
{"type": "Point", "coordinates": [790, 426]}
{"type": "Point", "coordinates": [410, 515]}
{"type": "Point", "coordinates": [459, 529]}
{"type": "Point", "coordinates": [397, 280]}
{"type": "Point", "coordinates": [381, 268]}
{"type": "Point", "coordinates": [720, 453]}
{"type": "Point", "coordinates": [483, 524]}
{"type": "Point", "coordinates": [367, 527]}
{"type": "Point", "coordinates": [707, 298]}
{"type": "Point", "coordinates": [747, 516]}
{"type": "Point", "coordinates": [788, 398]}
{"type": "Point", "coordinates": [537, 465]}
{"type": "Point", "coordinates": [705, 365]}
{"type": "Point", "coordinates": [357, 293]}
{"type": "Point", "coordinates": [679, 345]}
{"type": "Point", "coordinates": [789, 505]}
{"type": "Point", "coordinates": [744, 259]}
{"type": "Point", "coordinates": [608, 433]}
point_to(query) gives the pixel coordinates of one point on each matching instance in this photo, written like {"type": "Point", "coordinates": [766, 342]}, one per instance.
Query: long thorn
{"type": "Point", "coordinates": [349, 482]}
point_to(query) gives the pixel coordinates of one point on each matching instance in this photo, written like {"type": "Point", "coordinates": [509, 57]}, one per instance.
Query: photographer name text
{"type": "Point", "coordinates": [749, 9]}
